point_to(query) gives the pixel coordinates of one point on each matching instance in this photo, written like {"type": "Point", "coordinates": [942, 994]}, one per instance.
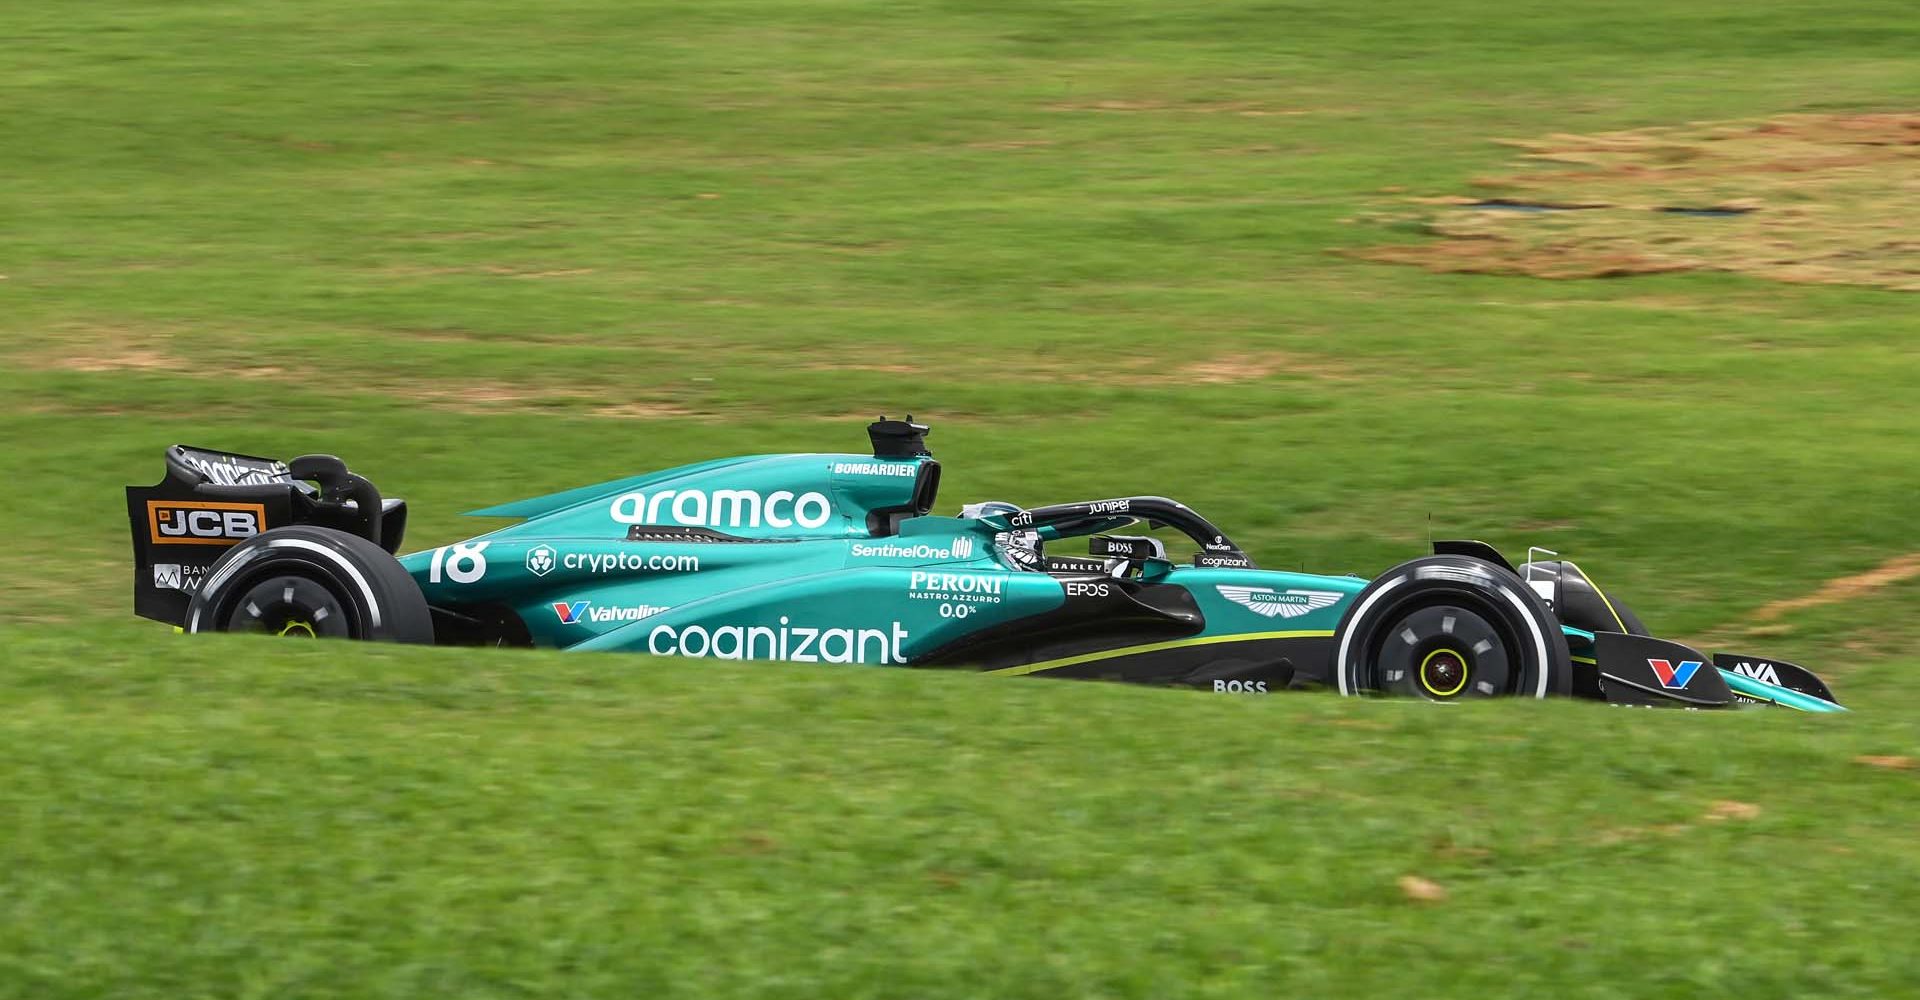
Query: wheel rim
{"type": "Point", "coordinates": [293, 607]}
{"type": "Point", "coordinates": [1443, 673]}
{"type": "Point", "coordinates": [1443, 652]}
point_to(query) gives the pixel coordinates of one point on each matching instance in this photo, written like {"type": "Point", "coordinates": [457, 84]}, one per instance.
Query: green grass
{"type": "Point", "coordinates": [200, 818]}
{"type": "Point", "coordinates": [494, 249]}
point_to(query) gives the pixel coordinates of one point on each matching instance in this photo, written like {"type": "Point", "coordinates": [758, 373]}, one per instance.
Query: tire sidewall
{"type": "Point", "coordinates": [1540, 654]}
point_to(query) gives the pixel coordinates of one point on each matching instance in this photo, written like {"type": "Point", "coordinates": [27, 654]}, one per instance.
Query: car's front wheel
{"type": "Point", "coordinates": [1448, 628]}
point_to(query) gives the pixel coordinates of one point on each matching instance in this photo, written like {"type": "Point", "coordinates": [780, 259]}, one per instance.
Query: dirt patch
{"type": "Point", "coordinates": [491, 270]}
{"type": "Point", "coordinates": [1012, 144]}
{"type": "Point", "coordinates": [1229, 368]}
{"type": "Point", "coordinates": [1720, 811]}
{"type": "Point", "coordinates": [883, 369]}
{"type": "Point", "coordinates": [1422, 890]}
{"type": "Point", "coordinates": [481, 398]}
{"type": "Point", "coordinates": [1243, 108]}
{"type": "Point", "coordinates": [99, 348]}
{"type": "Point", "coordinates": [1846, 588]}
{"type": "Point", "coordinates": [844, 247]}
{"type": "Point", "coordinates": [1479, 254]}
{"type": "Point", "coordinates": [643, 411]}
{"type": "Point", "coordinates": [1218, 370]}
{"type": "Point", "coordinates": [513, 272]}
{"type": "Point", "coordinates": [477, 396]}
{"type": "Point", "coordinates": [1727, 809]}
{"type": "Point", "coordinates": [107, 351]}
{"type": "Point", "coordinates": [130, 359]}
{"type": "Point", "coordinates": [1803, 198]}
{"type": "Point", "coordinates": [1629, 834]}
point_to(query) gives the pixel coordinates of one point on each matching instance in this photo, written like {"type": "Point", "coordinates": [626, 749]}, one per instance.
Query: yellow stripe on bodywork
{"type": "Point", "coordinates": [1585, 659]}
{"type": "Point", "coordinates": [1617, 620]}
{"type": "Point", "coordinates": [1107, 654]}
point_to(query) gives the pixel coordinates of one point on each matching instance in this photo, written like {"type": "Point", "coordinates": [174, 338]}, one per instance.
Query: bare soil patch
{"type": "Point", "coordinates": [1243, 108]}
{"type": "Point", "coordinates": [1220, 369]}
{"type": "Point", "coordinates": [99, 347]}
{"type": "Point", "coordinates": [1422, 890]}
{"type": "Point", "coordinates": [1229, 368]}
{"type": "Point", "coordinates": [1727, 809]}
{"type": "Point", "coordinates": [1012, 144]}
{"type": "Point", "coordinates": [643, 411]}
{"type": "Point", "coordinates": [491, 270]}
{"type": "Point", "coordinates": [1801, 198]}
{"type": "Point", "coordinates": [130, 359]}
{"type": "Point", "coordinates": [110, 350]}
{"type": "Point", "coordinates": [1847, 587]}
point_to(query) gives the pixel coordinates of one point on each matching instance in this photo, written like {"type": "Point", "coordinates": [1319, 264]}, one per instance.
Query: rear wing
{"type": "Point", "coordinates": [211, 501]}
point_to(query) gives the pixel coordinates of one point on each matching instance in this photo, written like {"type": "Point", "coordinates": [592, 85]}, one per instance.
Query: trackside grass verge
{"type": "Point", "coordinates": [224, 818]}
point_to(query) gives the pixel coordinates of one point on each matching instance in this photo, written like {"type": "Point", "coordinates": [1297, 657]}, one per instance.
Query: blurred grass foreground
{"type": "Point", "coordinates": [492, 250]}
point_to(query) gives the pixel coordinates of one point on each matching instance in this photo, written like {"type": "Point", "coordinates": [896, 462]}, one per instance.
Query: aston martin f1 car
{"type": "Point", "coordinates": [839, 558]}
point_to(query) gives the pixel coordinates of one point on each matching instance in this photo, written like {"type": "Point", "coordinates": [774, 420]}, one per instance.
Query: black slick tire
{"type": "Point", "coordinates": [311, 582]}
{"type": "Point", "coordinates": [1449, 627]}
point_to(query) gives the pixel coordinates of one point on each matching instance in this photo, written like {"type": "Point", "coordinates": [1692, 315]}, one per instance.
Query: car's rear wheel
{"type": "Point", "coordinates": [1449, 628]}
{"type": "Point", "coordinates": [290, 605]}
{"type": "Point", "coordinates": [311, 583]}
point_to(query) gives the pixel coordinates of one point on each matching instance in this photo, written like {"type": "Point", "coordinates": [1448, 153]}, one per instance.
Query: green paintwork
{"type": "Point", "coordinates": [804, 578]}
{"type": "Point", "coordinates": [818, 577]}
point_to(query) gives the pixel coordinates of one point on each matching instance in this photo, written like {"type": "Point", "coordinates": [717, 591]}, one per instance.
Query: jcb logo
{"type": "Point", "coordinates": [191, 522]}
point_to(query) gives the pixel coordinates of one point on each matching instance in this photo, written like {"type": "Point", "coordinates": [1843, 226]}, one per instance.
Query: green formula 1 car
{"type": "Point", "coordinates": [838, 558]}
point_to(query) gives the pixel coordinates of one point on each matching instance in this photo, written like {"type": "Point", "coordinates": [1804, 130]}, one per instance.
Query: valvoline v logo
{"type": "Point", "coordinates": [585, 611]}
{"type": "Point", "coordinates": [1674, 675]}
